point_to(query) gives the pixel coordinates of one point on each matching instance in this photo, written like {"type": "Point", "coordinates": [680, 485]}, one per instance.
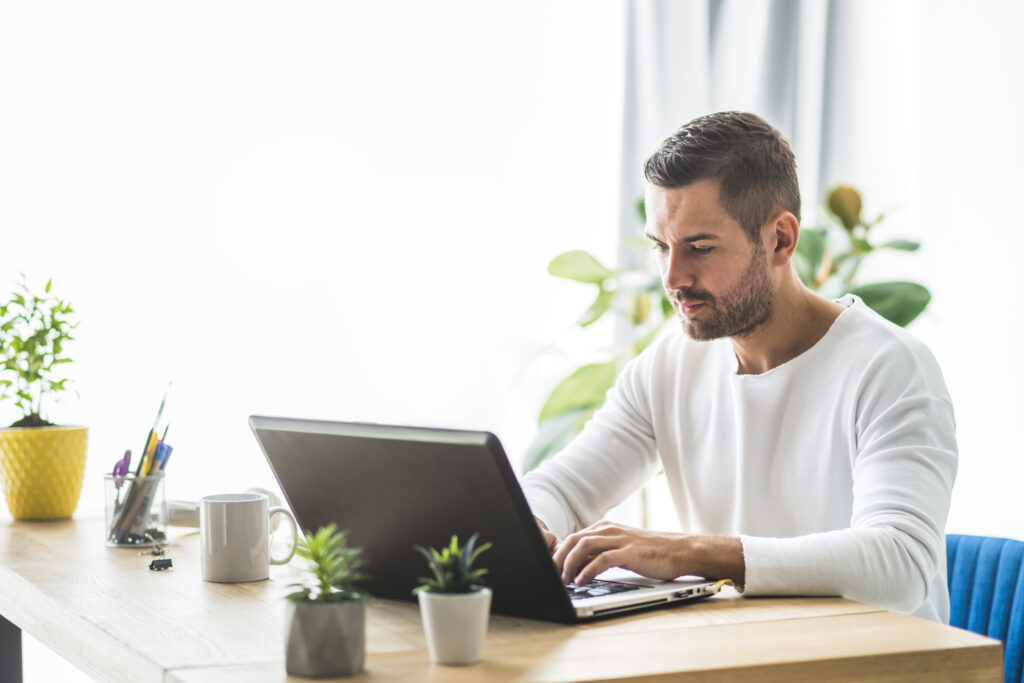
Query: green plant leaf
{"type": "Point", "coordinates": [861, 245]}
{"type": "Point", "coordinates": [335, 566]}
{"type": "Point", "coordinates": [579, 266]}
{"type": "Point", "coordinates": [584, 388]}
{"type": "Point", "coordinates": [666, 308]}
{"type": "Point", "coordinates": [810, 251]}
{"type": "Point", "coordinates": [601, 305]}
{"type": "Point", "coordinates": [452, 566]}
{"type": "Point", "coordinates": [641, 309]}
{"type": "Point", "coordinates": [554, 434]}
{"type": "Point", "coordinates": [637, 242]}
{"type": "Point", "coordinates": [898, 302]}
{"type": "Point", "coordinates": [901, 245]}
{"type": "Point", "coordinates": [641, 209]}
{"type": "Point", "coordinates": [643, 342]}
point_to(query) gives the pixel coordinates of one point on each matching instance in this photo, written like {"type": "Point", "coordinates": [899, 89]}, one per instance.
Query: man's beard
{"type": "Point", "coordinates": [739, 312]}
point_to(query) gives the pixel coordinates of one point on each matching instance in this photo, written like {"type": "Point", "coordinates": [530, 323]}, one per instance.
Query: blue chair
{"type": "Point", "coordinates": [986, 593]}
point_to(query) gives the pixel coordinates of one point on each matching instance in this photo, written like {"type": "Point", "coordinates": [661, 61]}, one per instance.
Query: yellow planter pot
{"type": "Point", "coordinates": [41, 469]}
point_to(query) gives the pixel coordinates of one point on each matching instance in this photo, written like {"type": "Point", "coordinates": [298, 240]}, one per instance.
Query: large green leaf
{"type": "Point", "coordinates": [554, 434]}
{"type": "Point", "coordinates": [810, 251]}
{"type": "Point", "coordinates": [600, 306]}
{"type": "Point", "coordinates": [898, 302]}
{"type": "Point", "coordinates": [584, 388]}
{"type": "Point", "coordinates": [580, 266]}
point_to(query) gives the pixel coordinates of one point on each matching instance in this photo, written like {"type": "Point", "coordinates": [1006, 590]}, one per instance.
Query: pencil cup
{"type": "Point", "coordinates": [133, 507]}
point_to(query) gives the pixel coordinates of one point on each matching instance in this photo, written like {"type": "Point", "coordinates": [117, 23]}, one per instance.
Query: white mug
{"type": "Point", "coordinates": [234, 535]}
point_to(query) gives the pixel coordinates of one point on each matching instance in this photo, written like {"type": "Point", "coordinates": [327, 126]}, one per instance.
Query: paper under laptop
{"type": "Point", "coordinates": [394, 487]}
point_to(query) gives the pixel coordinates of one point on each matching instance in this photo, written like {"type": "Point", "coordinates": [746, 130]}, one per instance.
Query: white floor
{"type": "Point", "coordinates": [42, 665]}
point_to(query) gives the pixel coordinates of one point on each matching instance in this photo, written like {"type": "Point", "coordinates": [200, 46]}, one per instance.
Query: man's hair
{"type": "Point", "coordinates": [751, 161]}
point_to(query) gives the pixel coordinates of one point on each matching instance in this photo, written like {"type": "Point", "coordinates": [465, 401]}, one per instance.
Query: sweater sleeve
{"type": "Point", "coordinates": [906, 459]}
{"type": "Point", "coordinates": [613, 456]}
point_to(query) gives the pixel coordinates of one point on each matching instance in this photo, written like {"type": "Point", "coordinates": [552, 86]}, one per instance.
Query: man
{"type": "Point", "coordinates": [809, 445]}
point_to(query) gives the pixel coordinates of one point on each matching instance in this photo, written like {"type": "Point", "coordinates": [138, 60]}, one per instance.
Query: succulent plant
{"type": "Point", "coordinates": [452, 567]}
{"type": "Point", "coordinates": [334, 567]}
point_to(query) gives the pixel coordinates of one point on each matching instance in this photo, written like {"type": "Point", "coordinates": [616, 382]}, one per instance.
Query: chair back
{"type": "Point", "coordinates": [986, 593]}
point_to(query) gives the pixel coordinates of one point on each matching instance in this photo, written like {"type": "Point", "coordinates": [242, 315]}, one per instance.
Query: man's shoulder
{"type": "Point", "coordinates": [865, 329]}
{"type": "Point", "coordinates": [872, 345]}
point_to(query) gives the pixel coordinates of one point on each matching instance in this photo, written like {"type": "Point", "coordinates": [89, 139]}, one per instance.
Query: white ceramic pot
{"type": "Point", "coordinates": [455, 625]}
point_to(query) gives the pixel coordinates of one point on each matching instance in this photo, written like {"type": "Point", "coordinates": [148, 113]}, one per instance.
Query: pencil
{"type": "Point", "coordinates": [142, 459]}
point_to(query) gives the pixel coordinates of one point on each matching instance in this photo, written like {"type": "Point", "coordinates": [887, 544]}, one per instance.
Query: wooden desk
{"type": "Point", "coordinates": [104, 611]}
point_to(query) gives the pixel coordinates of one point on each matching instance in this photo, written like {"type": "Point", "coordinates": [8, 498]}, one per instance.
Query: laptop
{"type": "Point", "coordinates": [394, 487]}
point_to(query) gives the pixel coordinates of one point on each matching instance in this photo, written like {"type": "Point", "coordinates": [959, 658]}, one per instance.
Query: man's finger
{"type": "Point", "coordinates": [595, 566]}
{"type": "Point", "coordinates": [581, 553]}
{"type": "Point", "coordinates": [563, 549]}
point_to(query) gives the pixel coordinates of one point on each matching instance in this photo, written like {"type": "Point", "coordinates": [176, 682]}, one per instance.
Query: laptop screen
{"type": "Point", "coordinates": [396, 487]}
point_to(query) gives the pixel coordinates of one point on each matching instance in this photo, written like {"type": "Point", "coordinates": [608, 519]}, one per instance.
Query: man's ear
{"type": "Point", "coordinates": [785, 231]}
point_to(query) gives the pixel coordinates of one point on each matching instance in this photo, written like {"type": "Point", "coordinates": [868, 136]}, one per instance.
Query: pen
{"type": "Point", "coordinates": [158, 458]}
{"type": "Point", "coordinates": [140, 470]}
{"type": "Point", "coordinates": [167, 455]}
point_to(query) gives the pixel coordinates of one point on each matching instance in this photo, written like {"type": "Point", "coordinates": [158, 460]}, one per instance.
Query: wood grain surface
{"type": "Point", "coordinates": [103, 610]}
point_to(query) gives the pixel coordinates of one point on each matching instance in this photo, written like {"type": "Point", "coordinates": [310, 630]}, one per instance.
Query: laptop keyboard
{"type": "Point", "coordinates": [598, 588]}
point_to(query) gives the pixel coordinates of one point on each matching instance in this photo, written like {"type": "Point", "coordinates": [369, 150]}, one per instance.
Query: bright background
{"type": "Point", "coordinates": [345, 210]}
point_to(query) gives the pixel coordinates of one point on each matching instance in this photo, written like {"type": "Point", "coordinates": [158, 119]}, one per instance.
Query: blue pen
{"type": "Point", "coordinates": [167, 455]}
{"type": "Point", "coordinates": [158, 457]}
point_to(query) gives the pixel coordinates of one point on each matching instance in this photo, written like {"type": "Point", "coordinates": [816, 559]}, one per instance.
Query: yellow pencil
{"type": "Point", "coordinates": [148, 456]}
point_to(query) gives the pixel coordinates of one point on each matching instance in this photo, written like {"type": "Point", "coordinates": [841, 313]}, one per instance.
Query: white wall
{"type": "Point", "coordinates": [971, 177]}
{"type": "Point", "coordinates": [337, 210]}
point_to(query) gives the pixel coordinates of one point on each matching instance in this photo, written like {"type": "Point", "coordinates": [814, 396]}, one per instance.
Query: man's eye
{"type": "Point", "coordinates": [702, 251]}
{"type": "Point", "coordinates": [659, 247]}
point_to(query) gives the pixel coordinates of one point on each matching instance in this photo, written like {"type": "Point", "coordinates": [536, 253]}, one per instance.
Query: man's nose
{"type": "Point", "coordinates": [675, 273]}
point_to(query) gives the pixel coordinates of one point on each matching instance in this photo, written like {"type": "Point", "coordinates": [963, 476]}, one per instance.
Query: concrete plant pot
{"type": "Point", "coordinates": [325, 638]}
{"type": "Point", "coordinates": [455, 624]}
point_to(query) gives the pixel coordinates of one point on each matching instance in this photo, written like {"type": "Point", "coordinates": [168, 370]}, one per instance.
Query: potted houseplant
{"type": "Point", "coordinates": [41, 464]}
{"type": "Point", "coordinates": [453, 605]}
{"type": "Point", "coordinates": [326, 614]}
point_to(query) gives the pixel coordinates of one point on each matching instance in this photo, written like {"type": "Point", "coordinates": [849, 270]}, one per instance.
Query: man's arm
{"type": "Point", "coordinates": [613, 457]}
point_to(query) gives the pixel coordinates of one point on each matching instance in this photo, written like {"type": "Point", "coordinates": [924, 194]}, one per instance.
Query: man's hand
{"type": "Point", "coordinates": [656, 555]}
{"type": "Point", "coordinates": [549, 538]}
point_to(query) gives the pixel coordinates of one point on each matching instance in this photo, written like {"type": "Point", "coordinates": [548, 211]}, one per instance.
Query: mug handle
{"type": "Point", "coordinates": [295, 534]}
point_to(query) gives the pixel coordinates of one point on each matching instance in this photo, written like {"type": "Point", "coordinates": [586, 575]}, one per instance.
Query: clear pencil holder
{"type": "Point", "coordinates": [133, 510]}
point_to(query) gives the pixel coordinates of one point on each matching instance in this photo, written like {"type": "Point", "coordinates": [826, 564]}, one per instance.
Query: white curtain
{"type": "Point", "coordinates": [684, 59]}
{"type": "Point", "coordinates": [836, 77]}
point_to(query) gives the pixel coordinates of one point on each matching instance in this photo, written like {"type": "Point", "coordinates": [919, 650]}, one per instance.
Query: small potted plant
{"type": "Point", "coordinates": [41, 464]}
{"type": "Point", "coordinates": [326, 615]}
{"type": "Point", "coordinates": [453, 605]}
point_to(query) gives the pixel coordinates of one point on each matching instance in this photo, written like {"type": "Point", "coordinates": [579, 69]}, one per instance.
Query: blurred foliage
{"type": "Point", "coordinates": [827, 261]}
{"type": "Point", "coordinates": [33, 332]}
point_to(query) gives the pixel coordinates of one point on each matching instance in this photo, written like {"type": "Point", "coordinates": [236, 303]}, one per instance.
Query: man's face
{"type": "Point", "coordinates": [716, 279]}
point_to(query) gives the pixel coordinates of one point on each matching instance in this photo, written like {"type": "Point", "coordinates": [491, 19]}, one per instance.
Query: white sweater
{"type": "Point", "coordinates": [834, 469]}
